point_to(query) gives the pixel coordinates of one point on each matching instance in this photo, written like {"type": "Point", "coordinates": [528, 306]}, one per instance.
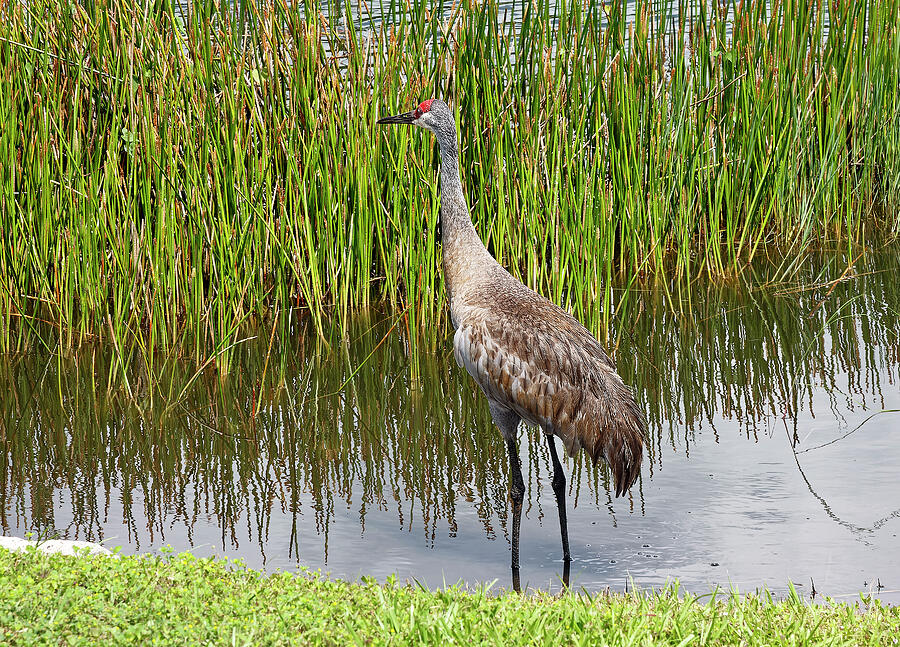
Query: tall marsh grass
{"type": "Point", "coordinates": [167, 175]}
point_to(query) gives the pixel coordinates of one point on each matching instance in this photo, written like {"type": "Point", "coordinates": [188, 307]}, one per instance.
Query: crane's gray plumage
{"type": "Point", "coordinates": [532, 359]}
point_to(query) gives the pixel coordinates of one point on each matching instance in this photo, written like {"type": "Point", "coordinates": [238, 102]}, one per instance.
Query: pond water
{"type": "Point", "coordinates": [773, 451]}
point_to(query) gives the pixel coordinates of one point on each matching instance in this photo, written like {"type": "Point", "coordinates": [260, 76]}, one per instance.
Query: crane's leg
{"type": "Point", "coordinates": [559, 489]}
{"type": "Point", "coordinates": [508, 423]}
{"type": "Point", "coordinates": [517, 494]}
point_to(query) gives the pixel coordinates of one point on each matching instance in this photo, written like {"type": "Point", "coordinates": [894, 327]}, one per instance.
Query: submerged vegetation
{"type": "Point", "coordinates": [168, 173]}
{"type": "Point", "coordinates": [88, 601]}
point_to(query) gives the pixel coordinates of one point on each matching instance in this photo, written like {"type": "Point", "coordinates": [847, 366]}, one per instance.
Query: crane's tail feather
{"type": "Point", "coordinates": [613, 433]}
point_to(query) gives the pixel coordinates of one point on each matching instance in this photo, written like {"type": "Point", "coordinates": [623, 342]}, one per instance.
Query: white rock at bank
{"type": "Point", "coordinates": [51, 546]}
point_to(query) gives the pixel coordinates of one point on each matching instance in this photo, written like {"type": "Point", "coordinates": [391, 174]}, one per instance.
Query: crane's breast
{"type": "Point", "coordinates": [506, 377]}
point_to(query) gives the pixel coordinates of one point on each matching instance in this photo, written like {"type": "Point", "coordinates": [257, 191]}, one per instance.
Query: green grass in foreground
{"type": "Point", "coordinates": [185, 600]}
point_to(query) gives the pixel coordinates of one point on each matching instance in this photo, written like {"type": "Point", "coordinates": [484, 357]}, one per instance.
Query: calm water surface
{"type": "Point", "coordinates": [773, 453]}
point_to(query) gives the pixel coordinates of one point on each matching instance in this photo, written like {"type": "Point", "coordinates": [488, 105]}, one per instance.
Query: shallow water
{"type": "Point", "coordinates": [773, 451]}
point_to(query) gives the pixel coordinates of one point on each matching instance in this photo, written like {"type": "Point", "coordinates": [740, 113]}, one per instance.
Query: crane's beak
{"type": "Point", "coordinates": [405, 118]}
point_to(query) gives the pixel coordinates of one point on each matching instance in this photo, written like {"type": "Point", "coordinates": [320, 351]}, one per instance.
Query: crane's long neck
{"type": "Point", "coordinates": [462, 248]}
{"type": "Point", "coordinates": [456, 222]}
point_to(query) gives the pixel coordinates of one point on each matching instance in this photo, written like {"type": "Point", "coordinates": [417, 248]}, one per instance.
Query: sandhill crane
{"type": "Point", "coordinates": [532, 359]}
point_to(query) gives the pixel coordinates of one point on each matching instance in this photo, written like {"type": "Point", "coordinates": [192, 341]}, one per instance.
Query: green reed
{"type": "Point", "coordinates": [168, 177]}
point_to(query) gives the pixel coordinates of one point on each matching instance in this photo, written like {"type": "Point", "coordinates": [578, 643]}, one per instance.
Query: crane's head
{"type": "Point", "coordinates": [432, 114]}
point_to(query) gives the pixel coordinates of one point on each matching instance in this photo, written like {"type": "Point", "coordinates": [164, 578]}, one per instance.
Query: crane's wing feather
{"type": "Point", "coordinates": [547, 367]}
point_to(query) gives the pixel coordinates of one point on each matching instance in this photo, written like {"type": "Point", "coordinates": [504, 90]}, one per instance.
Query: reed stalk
{"type": "Point", "coordinates": [168, 176]}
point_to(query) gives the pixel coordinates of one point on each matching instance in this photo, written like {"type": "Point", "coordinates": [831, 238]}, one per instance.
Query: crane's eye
{"type": "Point", "coordinates": [418, 113]}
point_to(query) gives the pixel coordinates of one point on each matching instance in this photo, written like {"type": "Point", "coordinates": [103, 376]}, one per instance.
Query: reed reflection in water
{"type": "Point", "coordinates": [369, 458]}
